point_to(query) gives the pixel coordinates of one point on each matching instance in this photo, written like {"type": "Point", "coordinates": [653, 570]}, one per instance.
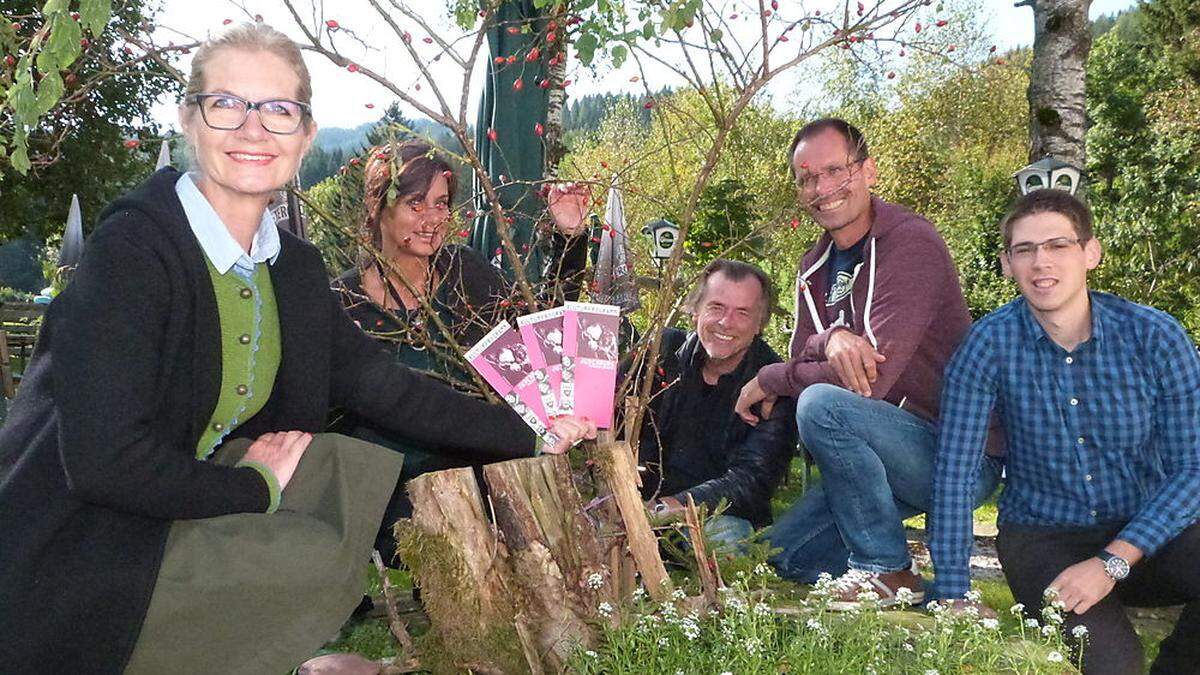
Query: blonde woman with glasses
{"type": "Point", "coordinates": [167, 503]}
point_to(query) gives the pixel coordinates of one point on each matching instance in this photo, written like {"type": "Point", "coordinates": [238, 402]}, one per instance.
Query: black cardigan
{"type": "Point", "coordinates": [98, 454]}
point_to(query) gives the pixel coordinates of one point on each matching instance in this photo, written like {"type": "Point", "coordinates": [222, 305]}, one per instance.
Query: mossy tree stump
{"type": "Point", "coordinates": [558, 570]}
{"type": "Point", "coordinates": [522, 594]}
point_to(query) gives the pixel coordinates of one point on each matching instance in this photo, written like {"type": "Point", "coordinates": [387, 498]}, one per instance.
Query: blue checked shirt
{"type": "Point", "coordinates": [1106, 434]}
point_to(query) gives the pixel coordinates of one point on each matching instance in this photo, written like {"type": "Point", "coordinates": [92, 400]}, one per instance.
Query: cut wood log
{"type": "Point", "coordinates": [559, 572]}
{"type": "Point", "coordinates": [461, 569]}
{"type": "Point", "coordinates": [706, 564]}
{"type": "Point", "coordinates": [616, 462]}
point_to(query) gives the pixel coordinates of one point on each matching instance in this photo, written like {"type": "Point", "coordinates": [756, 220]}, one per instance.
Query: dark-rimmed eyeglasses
{"type": "Point", "coordinates": [1026, 251]}
{"type": "Point", "coordinates": [226, 112]}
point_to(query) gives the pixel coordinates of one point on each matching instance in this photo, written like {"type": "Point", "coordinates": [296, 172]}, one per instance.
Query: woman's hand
{"type": "Point", "coordinates": [280, 452]}
{"type": "Point", "coordinates": [570, 429]}
{"type": "Point", "coordinates": [569, 205]}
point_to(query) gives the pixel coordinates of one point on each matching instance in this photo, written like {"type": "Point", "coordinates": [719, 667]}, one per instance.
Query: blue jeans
{"type": "Point", "coordinates": [876, 464]}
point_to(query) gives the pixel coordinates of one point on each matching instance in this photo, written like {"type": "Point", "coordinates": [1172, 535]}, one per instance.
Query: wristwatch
{"type": "Point", "coordinates": [1116, 567]}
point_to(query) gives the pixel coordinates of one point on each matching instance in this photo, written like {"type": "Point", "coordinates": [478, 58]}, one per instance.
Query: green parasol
{"type": "Point", "coordinates": [507, 134]}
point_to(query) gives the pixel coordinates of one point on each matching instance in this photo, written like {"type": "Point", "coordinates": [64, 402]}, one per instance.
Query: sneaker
{"type": "Point", "coordinates": [857, 589]}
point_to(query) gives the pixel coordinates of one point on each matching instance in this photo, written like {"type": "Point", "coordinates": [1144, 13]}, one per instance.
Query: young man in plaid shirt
{"type": "Point", "coordinates": [1100, 398]}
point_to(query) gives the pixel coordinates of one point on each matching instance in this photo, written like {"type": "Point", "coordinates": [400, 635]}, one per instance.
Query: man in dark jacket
{"type": "Point", "coordinates": [879, 312]}
{"type": "Point", "coordinates": [692, 442]}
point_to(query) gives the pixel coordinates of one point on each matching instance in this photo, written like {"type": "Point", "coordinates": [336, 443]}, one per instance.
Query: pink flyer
{"type": "Point", "coordinates": [502, 359]}
{"type": "Point", "coordinates": [590, 358]}
{"type": "Point", "coordinates": [543, 336]}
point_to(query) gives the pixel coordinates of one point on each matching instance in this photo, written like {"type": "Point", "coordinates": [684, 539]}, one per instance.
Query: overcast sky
{"type": "Point", "coordinates": [341, 99]}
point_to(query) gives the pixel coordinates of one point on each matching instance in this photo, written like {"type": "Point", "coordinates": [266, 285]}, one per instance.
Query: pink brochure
{"type": "Point", "coordinates": [590, 358]}
{"type": "Point", "coordinates": [502, 359]}
{"type": "Point", "coordinates": [543, 336]}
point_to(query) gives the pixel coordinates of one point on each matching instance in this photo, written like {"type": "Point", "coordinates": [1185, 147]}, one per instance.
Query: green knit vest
{"type": "Point", "coordinates": [250, 350]}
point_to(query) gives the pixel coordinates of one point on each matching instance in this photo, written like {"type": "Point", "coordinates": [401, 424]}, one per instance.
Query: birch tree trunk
{"type": "Point", "coordinates": [1057, 112]}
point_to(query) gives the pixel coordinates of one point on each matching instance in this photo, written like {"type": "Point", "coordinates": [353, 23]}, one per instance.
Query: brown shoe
{"type": "Point", "coordinates": [857, 589]}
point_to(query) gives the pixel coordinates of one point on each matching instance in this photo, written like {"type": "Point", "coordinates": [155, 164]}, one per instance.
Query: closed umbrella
{"type": "Point", "coordinates": [614, 277]}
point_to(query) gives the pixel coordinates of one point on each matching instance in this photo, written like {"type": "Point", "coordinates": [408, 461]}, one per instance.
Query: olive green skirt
{"type": "Point", "coordinates": [260, 593]}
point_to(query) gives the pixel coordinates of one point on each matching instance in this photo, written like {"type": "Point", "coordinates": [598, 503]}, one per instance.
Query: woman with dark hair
{"type": "Point", "coordinates": [409, 191]}
{"type": "Point", "coordinates": [167, 504]}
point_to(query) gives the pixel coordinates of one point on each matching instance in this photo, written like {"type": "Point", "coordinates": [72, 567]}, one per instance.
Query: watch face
{"type": "Point", "coordinates": [1116, 567]}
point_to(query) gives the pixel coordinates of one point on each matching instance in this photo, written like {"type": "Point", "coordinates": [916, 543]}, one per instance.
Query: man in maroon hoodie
{"type": "Point", "coordinates": [879, 312]}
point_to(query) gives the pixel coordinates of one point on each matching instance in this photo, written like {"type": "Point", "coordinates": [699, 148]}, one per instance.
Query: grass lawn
{"type": "Point", "coordinates": [371, 638]}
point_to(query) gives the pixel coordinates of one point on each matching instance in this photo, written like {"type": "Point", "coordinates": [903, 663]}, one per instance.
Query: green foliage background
{"type": "Point", "coordinates": [947, 140]}
{"type": "Point", "coordinates": [92, 159]}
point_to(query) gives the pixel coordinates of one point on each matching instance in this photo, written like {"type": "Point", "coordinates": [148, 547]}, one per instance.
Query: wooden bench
{"type": "Point", "coordinates": [19, 324]}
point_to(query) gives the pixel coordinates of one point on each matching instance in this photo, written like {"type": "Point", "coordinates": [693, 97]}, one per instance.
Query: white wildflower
{"type": "Point", "coordinates": [670, 612]}
{"type": "Point", "coordinates": [931, 671]}
{"type": "Point", "coordinates": [1050, 592]}
{"type": "Point", "coordinates": [663, 641]}
{"type": "Point", "coordinates": [595, 580]}
{"type": "Point", "coordinates": [762, 609]}
{"type": "Point", "coordinates": [1049, 630]}
{"type": "Point", "coordinates": [1017, 609]}
{"type": "Point", "coordinates": [1031, 623]}
{"type": "Point", "coordinates": [990, 624]}
{"type": "Point", "coordinates": [1079, 631]}
{"type": "Point", "coordinates": [753, 646]}
{"type": "Point", "coordinates": [935, 607]}
{"type": "Point", "coordinates": [1054, 657]}
{"type": "Point", "coordinates": [691, 630]}
{"type": "Point", "coordinates": [1051, 616]}
{"type": "Point", "coordinates": [908, 647]}
{"type": "Point", "coordinates": [639, 593]}
{"type": "Point", "coordinates": [736, 604]}
{"type": "Point", "coordinates": [605, 609]}
{"type": "Point", "coordinates": [905, 596]}
{"type": "Point", "coordinates": [763, 570]}
{"type": "Point", "coordinates": [678, 594]}
{"type": "Point", "coordinates": [974, 596]}
{"type": "Point", "coordinates": [727, 673]}
{"type": "Point", "coordinates": [591, 654]}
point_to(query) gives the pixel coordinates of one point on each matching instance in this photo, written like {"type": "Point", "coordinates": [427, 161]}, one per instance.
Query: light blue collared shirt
{"type": "Point", "coordinates": [219, 245]}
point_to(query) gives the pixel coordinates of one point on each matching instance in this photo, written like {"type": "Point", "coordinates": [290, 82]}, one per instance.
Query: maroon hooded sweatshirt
{"type": "Point", "coordinates": [906, 300]}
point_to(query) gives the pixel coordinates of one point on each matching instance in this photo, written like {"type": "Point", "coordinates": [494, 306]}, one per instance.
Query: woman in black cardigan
{"type": "Point", "coordinates": [102, 483]}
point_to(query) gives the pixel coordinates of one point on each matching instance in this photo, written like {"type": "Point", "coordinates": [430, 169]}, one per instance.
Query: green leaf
{"type": "Point", "coordinates": [50, 89]}
{"type": "Point", "coordinates": [53, 6]}
{"type": "Point", "coordinates": [585, 48]}
{"type": "Point", "coordinates": [648, 30]}
{"type": "Point", "coordinates": [716, 35]}
{"type": "Point", "coordinates": [20, 153]}
{"type": "Point", "coordinates": [23, 103]}
{"type": "Point", "coordinates": [619, 53]}
{"type": "Point", "coordinates": [63, 47]}
{"type": "Point", "coordinates": [95, 14]}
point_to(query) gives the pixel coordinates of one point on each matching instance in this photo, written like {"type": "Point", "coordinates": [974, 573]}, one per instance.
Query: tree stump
{"type": "Point", "coordinates": [556, 559]}
{"type": "Point", "coordinates": [462, 573]}
{"type": "Point", "coordinates": [521, 598]}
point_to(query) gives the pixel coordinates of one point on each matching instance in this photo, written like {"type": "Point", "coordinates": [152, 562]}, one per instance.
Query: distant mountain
{"type": "Point", "coordinates": [345, 140]}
